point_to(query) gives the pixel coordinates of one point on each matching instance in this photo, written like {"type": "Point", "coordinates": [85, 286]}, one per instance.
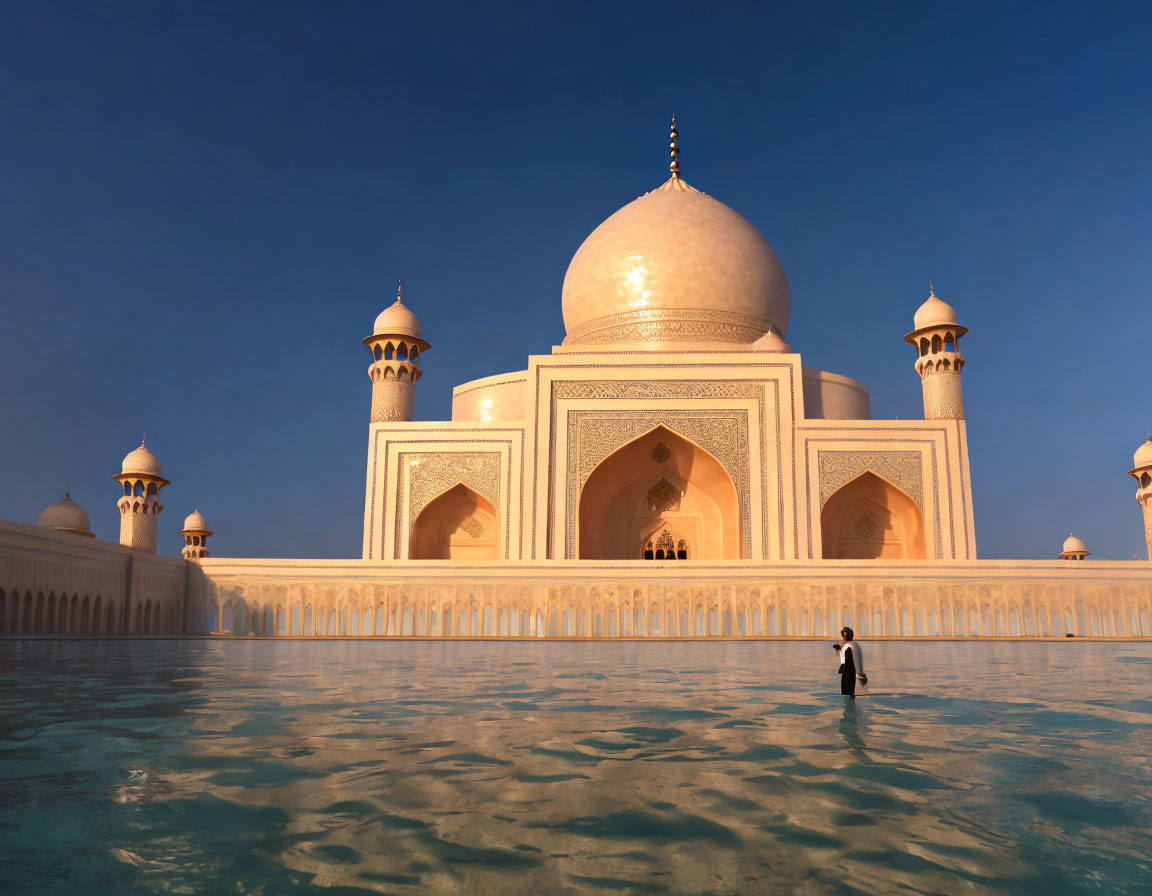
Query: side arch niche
{"type": "Point", "coordinates": [459, 524]}
{"type": "Point", "coordinates": [659, 481]}
{"type": "Point", "coordinates": [871, 519]}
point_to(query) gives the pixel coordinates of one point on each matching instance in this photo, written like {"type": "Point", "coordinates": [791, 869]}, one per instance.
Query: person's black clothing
{"type": "Point", "coordinates": [848, 672]}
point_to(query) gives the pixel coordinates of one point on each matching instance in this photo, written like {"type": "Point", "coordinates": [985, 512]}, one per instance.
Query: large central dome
{"type": "Point", "coordinates": [675, 266]}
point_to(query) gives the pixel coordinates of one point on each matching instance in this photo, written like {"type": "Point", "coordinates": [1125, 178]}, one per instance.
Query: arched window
{"type": "Point", "coordinates": [389, 351]}
{"type": "Point", "coordinates": [936, 343]}
{"type": "Point", "coordinates": [377, 352]}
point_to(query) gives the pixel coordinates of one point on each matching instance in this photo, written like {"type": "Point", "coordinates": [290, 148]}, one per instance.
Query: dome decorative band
{"type": "Point", "coordinates": [669, 325]}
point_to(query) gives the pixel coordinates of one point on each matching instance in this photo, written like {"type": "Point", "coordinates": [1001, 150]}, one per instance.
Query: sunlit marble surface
{"type": "Point", "coordinates": [343, 767]}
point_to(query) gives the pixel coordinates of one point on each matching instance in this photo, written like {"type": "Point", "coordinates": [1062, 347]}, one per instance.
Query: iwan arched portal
{"type": "Point", "coordinates": [459, 524]}
{"type": "Point", "coordinates": [661, 495]}
{"type": "Point", "coordinates": [871, 519]}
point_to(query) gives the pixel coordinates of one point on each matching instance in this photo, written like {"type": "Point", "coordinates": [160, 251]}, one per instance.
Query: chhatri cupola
{"type": "Point", "coordinates": [675, 266]}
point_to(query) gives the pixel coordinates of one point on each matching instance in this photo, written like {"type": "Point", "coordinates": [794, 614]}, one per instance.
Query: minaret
{"type": "Point", "coordinates": [396, 347]}
{"type": "Point", "coordinates": [936, 338]}
{"type": "Point", "coordinates": [1142, 472]}
{"type": "Point", "coordinates": [140, 507]}
{"type": "Point", "coordinates": [195, 534]}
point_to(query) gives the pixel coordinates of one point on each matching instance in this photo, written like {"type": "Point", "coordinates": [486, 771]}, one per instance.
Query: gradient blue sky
{"type": "Point", "coordinates": [203, 206]}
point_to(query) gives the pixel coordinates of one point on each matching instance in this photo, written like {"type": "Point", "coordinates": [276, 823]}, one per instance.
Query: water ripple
{"type": "Point", "coordinates": [386, 767]}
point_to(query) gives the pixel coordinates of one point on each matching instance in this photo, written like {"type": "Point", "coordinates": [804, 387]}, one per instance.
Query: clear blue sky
{"type": "Point", "coordinates": [204, 205]}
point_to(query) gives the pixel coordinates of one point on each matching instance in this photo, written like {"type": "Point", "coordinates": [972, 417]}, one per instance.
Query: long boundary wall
{"type": "Point", "coordinates": [58, 583]}
{"type": "Point", "coordinates": [638, 599]}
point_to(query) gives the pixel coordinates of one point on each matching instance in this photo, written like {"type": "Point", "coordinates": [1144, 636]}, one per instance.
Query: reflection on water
{"type": "Point", "coordinates": [282, 767]}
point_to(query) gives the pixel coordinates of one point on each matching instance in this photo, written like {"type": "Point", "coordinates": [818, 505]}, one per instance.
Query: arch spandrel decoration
{"type": "Point", "coordinates": [902, 468]}
{"type": "Point", "coordinates": [432, 473]}
{"type": "Point", "coordinates": [594, 435]}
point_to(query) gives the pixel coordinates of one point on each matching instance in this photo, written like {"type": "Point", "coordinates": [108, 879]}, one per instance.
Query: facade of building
{"type": "Point", "coordinates": [671, 470]}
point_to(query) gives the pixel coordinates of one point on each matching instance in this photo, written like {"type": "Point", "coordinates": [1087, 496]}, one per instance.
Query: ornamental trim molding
{"type": "Point", "coordinates": [669, 325]}
{"type": "Point", "coordinates": [902, 468]}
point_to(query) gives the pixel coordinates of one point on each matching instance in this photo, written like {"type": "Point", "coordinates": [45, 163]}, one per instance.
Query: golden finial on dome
{"type": "Point", "coordinates": [674, 167]}
{"type": "Point", "coordinates": [931, 290]}
{"type": "Point", "coordinates": [399, 289]}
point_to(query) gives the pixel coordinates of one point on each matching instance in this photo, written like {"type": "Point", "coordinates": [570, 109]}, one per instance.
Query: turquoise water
{"type": "Point", "coordinates": [266, 767]}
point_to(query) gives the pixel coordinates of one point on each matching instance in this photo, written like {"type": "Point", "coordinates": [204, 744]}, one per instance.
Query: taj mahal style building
{"type": "Point", "coordinates": [671, 470]}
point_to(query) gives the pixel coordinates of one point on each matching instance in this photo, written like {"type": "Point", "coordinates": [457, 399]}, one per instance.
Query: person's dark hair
{"type": "Point", "coordinates": [847, 633]}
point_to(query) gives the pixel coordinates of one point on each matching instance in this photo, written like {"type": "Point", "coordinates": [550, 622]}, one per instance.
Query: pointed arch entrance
{"type": "Point", "coordinates": [871, 519]}
{"type": "Point", "coordinates": [459, 524]}
{"type": "Point", "coordinates": [658, 488]}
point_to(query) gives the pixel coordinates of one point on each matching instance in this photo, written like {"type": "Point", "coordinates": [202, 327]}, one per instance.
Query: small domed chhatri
{"type": "Point", "coordinates": [142, 461]}
{"type": "Point", "coordinates": [196, 535]}
{"type": "Point", "coordinates": [140, 506]}
{"type": "Point", "coordinates": [195, 521]}
{"type": "Point", "coordinates": [1143, 455]}
{"type": "Point", "coordinates": [1074, 549]}
{"type": "Point", "coordinates": [934, 312]}
{"type": "Point", "coordinates": [397, 320]}
{"type": "Point", "coordinates": [396, 345]}
{"type": "Point", "coordinates": [675, 265]}
{"type": "Point", "coordinates": [66, 516]}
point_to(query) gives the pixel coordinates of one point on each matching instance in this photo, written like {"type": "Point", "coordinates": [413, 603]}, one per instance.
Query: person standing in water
{"type": "Point", "coordinates": [851, 663]}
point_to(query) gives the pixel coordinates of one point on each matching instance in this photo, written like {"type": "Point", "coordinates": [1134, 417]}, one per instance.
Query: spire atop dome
{"type": "Point", "coordinates": [674, 166]}
{"type": "Point", "coordinates": [931, 290]}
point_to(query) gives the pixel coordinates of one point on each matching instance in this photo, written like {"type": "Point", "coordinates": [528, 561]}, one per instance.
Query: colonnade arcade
{"type": "Point", "coordinates": [682, 612]}
{"type": "Point", "coordinates": [82, 614]}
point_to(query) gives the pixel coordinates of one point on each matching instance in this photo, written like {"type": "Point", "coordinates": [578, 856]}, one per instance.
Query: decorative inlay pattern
{"type": "Point", "coordinates": [661, 453]}
{"type": "Point", "coordinates": [901, 468]}
{"type": "Point", "coordinates": [471, 526]}
{"type": "Point", "coordinates": [865, 527]}
{"type": "Point", "coordinates": [664, 389]}
{"type": "Point", "coordinates": [669, 325]}
{"type": "Point", "coordinates": [663, 495]}
{"type": "Point", "coordinates": [431, 474]}
{"type": "Point", "coordinates": [664, 542]}
{"type": "Point", "coordinates": [943, 396]}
